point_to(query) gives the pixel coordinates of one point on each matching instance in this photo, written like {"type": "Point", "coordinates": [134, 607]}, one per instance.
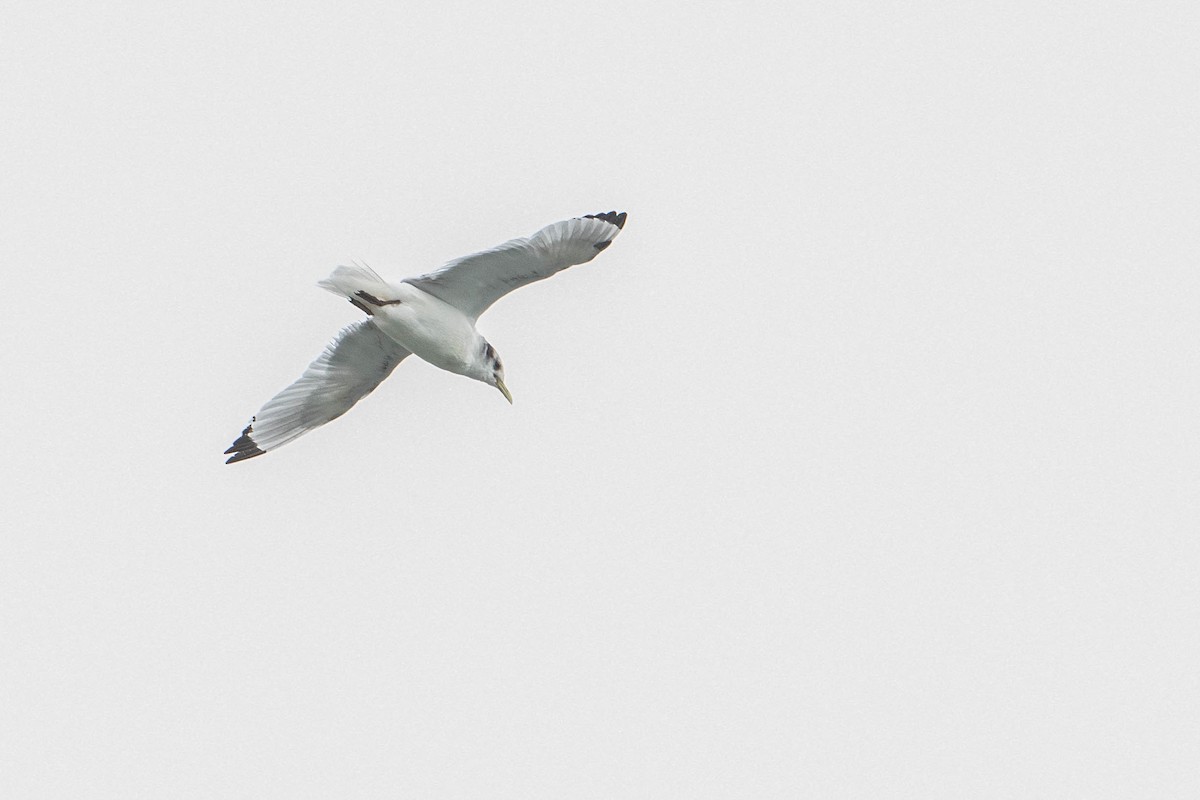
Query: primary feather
{"type": "Point", "coordinates": [353, 364]}
{"type": "Point", "coordinates": [472, 283]}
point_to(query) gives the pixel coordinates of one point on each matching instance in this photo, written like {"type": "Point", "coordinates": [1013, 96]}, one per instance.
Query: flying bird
{"type": "Point", "coordinates": [432, 316]}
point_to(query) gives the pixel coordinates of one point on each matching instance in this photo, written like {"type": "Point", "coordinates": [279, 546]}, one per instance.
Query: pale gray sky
{"type": "Point", "coordinates": [863, 464]}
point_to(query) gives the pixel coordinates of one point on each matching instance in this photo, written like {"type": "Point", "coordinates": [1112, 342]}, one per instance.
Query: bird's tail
{"type": "Point", "coordinates": [349, 281]}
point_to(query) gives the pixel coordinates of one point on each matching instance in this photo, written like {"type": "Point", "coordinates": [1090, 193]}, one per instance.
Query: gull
{"type": "Point", "coordinates": [431, 316]}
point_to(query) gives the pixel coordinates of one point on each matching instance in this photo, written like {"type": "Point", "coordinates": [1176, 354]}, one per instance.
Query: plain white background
{"type": "Point", "coordinates": [864, 463]}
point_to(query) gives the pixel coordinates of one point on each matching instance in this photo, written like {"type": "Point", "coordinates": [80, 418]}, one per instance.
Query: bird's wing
{"type": "Point", "coordinates": [472, 283]}
{"type": "Point", "coordinates": [353, 364]}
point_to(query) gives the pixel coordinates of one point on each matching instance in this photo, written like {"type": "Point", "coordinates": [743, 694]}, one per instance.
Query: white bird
{"type": "Point", "coordinates": [432, 316]}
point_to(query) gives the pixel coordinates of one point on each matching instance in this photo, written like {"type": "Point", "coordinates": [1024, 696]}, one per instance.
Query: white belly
{"type": "Point", "coordinates": [431, 329]}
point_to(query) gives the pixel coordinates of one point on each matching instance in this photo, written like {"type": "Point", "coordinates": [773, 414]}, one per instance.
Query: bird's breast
{"type": "Point", "coordinates": [429, 328]}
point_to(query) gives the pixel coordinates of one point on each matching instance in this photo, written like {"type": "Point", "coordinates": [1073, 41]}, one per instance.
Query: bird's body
{"type": "Point", "coordinates": [432, 330]}
{"type": "Point", "coordinates": [427, 327]}
{"type": "Point", "coordinates": [432, 316]}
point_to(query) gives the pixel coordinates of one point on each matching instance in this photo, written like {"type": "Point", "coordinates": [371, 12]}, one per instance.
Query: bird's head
{"type": "Point", "coordinates": [494, 370]}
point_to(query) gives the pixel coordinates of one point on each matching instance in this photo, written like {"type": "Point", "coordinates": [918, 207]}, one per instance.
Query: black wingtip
{"type": "Point", "coordinates": [611, 217]}
{"type": "Point", "coordinates": [244, 447]}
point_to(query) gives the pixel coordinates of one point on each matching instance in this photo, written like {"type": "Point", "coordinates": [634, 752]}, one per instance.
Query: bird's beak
{"type": "Point", "coordinates": [504, 390]}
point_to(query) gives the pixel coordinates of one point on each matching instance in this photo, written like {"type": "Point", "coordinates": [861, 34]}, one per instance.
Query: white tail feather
{"type": "Point", "coordinates": [347, 281]}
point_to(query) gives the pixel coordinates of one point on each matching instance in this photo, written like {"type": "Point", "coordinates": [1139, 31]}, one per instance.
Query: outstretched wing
{"type": "Point", "coordinates": [471, 284]}
{"type": "Point", "coordinates": [353, 364]}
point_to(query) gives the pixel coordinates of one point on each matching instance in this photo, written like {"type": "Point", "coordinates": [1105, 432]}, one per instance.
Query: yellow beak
{"type": "Point", "coordinates": [504, 390]}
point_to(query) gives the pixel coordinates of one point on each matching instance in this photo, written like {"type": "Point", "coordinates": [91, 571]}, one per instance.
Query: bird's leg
{"type": "Point", "coordinates": [370, 298]}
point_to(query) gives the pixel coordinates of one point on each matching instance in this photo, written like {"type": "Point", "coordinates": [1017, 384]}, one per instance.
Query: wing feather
{"type": "Point", "coordinates": [472, 283]}
{"type": "Point", "coordinates": [352, 365]}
